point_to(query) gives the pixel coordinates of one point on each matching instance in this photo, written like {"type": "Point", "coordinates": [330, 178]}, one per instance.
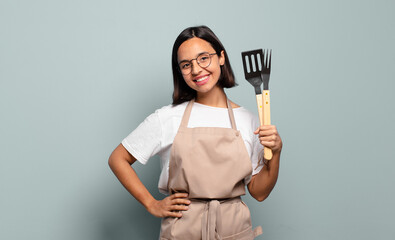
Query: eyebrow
{"type": "Point", "coordinates": [190, 60]}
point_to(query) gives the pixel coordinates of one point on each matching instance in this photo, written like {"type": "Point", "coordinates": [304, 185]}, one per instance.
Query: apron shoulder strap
{"type": "Point", "coordinates": [231, 115]}
{"type": "Point", "coordinates": [187, 113]}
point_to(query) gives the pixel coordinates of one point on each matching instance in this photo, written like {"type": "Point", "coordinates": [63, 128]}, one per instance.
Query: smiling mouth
{"type": "Point", "coordinates": [201, 79]}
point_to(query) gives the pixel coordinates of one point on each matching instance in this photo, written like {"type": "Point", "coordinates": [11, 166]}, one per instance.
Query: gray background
{"type": "Point", "coordinates": [76, 77]}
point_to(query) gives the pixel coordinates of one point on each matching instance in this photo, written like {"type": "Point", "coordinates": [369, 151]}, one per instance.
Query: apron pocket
{"type": "Point", "coordinates": [236, 221]}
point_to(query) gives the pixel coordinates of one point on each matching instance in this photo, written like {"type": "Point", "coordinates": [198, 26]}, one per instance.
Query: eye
{"type": "Point", "coordinates": [185, 65]}
{"type": "Point", "coordinates": [204, 58]}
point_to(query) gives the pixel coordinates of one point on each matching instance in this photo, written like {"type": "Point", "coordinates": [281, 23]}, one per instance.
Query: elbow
{"type": "Point", "coordinates": [258, 193]}
{"type": "Point", "coordinates": [260, 197]}
{"type": "Point", "coordinates": [111, 162]}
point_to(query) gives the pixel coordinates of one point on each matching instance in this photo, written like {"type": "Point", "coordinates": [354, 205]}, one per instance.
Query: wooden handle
{"type": "Point", "coordinates": [259, 104]}
{"type": "Point", "coordinates": [267, 152]}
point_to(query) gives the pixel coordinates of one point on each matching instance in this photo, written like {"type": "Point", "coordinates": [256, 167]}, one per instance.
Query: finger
{"type": "Point", "coordinates": [266, 127]}
{"type": "Point", "coordinates": [261, 128]}
{"type": "Point", "coordinates": [179, 195]}
{"type": "Point", "coordinates": [179, 207]}
{"type": "Point", "coordinates": [180, 201]}
{"type": "Point", "coordinates": [268, 132]}
{"type": "Point", "coordinates": [271, 138]}
{"type": "Point", "coordinates": [173, 214]}
{"type": "Point", "coordinates": [256, 131]}
{"type": "Point", "coordinates": [265, 133]}
{"type": "Point", "coordinates": [268, 144]}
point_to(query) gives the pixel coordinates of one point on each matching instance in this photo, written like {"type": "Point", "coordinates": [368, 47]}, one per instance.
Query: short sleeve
{"type": "Point", "coordinates": [145, 141]}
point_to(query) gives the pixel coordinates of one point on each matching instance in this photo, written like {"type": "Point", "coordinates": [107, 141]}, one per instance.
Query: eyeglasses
{"type": "Point", "coordinates": [203, 60]}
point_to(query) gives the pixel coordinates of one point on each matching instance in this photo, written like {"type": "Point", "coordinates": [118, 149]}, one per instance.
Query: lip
{"type": "Point", "coordinates": [200, 83]}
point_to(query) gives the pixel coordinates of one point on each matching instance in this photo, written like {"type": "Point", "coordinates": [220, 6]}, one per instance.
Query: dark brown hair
{"type": "Point", "coordinates": [182, 92]}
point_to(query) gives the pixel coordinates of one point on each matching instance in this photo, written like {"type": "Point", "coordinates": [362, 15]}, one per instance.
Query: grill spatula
{"type": "Point", "coordinates": [252, 64]}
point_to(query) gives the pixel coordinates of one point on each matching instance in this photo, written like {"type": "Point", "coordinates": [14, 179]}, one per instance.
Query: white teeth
{"type": "Point", "coordinates": [201, 79]}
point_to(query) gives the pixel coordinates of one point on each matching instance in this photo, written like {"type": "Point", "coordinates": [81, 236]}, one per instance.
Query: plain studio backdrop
{"type": "Point", "coordinates": [76, 77]}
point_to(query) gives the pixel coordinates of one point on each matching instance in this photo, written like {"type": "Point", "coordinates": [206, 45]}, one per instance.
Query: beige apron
{"type": "Point", "coordinates": [210, 164]}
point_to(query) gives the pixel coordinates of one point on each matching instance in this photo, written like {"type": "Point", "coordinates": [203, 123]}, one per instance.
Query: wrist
{"type": "Point", "coordinates": [278, 149]}
{"type": "Point", "coordinates": [149, 203]}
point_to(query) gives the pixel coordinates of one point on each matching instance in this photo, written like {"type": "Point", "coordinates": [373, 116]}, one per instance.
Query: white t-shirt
{"type": "Point", "coordinates": [155, 135]}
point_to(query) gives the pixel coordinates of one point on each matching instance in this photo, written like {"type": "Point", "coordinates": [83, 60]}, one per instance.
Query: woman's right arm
{"type": "Point", "coordinates": [120, 163]}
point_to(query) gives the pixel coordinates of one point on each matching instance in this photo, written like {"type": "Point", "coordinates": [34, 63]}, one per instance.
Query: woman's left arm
{"type": "Point", "coordinates": [262, 184]}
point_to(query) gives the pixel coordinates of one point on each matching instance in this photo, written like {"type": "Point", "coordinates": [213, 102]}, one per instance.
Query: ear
{"type": "Point", "coordinates": [222, 58]}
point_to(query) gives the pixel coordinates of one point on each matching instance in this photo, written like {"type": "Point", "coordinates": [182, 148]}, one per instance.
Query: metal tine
{"type": "Point", "coordinates": [267, 56]}
{"type": "Point", "coordinates": [266, 65]}
{"type": "Point", "coordinates": [263, 59]}
{"type": "Point", "coordinates": [267, 59]}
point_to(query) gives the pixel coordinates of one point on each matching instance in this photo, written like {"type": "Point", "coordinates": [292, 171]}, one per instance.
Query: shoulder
{"type": "Point", "coordinates": [234, 105]}
{"type": "Point", "coordinates": [171, 110]}
{"type": "Point", "coordinates": [170, 114]}
{"type": "Point", "coordinates": [245, 114]}
{"type": "Point", "coordinates": [245, 119]}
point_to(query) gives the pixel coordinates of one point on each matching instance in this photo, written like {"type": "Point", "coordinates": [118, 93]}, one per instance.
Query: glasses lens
{"type": "Point", "coordinates": [204, 60]}
{"type": "Point", "coordinates": [185, 67]}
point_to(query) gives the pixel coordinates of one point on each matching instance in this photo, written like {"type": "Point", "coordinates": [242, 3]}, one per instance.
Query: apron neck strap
{"type": "Point", "coordinates": [231, 115]}
{"type": "Point", "coordinates": [187, 113]}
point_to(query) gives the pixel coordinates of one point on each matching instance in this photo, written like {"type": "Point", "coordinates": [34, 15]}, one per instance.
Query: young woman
{"type": "Point", "coordinates": [210, 148]}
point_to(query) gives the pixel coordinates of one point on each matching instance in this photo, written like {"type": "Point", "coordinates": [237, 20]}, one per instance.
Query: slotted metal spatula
{"type": "Point", "coordinates": [252, 73]}
{"type": "Point", "coordinates": [252, 64]}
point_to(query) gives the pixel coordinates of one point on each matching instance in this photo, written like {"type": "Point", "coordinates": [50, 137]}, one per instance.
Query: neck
{"type": "Point", "coordinates": [215, 98]}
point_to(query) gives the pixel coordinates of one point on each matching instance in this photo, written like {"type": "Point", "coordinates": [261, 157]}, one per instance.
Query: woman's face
{"type": "Point", "coordinates": [203, 80]}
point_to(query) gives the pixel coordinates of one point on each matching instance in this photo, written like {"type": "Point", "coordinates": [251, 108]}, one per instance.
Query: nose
{"type": "Point", "coordinates": [196, 69]}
